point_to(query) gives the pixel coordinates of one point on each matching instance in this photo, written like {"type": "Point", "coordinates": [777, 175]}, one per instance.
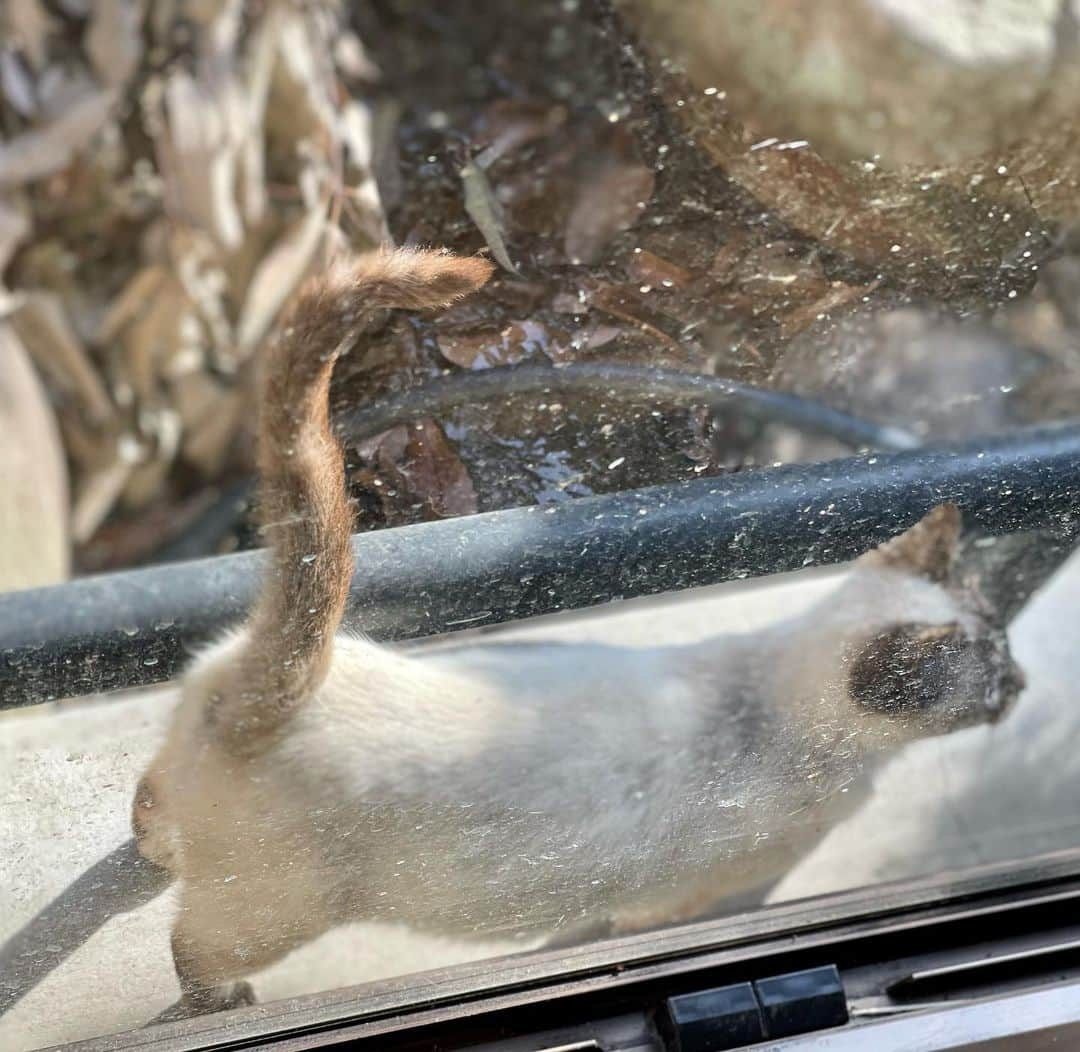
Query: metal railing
{"type": "Point", "coordinates": [138, 627]}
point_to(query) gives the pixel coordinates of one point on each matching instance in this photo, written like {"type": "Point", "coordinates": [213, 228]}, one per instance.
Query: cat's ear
{"type": "Point", "coordinates": [905, 668]}
{"type": "Point", "coordinates": [928, 549]}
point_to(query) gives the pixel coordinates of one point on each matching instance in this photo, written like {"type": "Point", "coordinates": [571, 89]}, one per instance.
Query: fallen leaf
{"type": "Point", "coordinates": [210, 444]}
{"type": "Point", "coordinates": [355, 130]}
{"type": "Point", "coordinates": [113, 40]}
{"type": "Point", "coordinates": [418, 471]}
{"type": "Point", "coordinates": [601, 335]}
{"type": "Point", "coordinates": [202, 154]}
{"type": "Point", "coordinates": [839, 295]}
{"type": "Point", "coordinates": [654, 270]}
{"type": "Point", "coordinates": [385, 153]}
{"type": "Point", "coordinates": [34, 544]}
{"type": "Point", "coordinates": [196, 267]}
{"type": "Point", "coordinates": [14, 228]}
{"type": "Point", "coordinates": [570, 303]}
{"type": "Point", "coordinates": [99, 488]}
{"type": "Point", "coordinates": [44, 330]}
{"type": "Point", "coordinates": [29, 27]}
{"type": "Point", "coordinates": [258, 70]}
{"type": "Point", "coordinates": [42, 151]}
{"type": "Point", "coordinates": [133, 299]}
{"type": "Point", "coordinates": [147, 478]}
{"type": "Point", "coordinates": [16, 83]}
{"type": "Point", "coordinates": [300, 104]}
{"type": "Point", "coordinates": [510, 124]}
{"type": "Point", "coordinates": [624, 303]}
{"type": "Point", "coordinates": [146, 345]}
{"type": "Point", "coordinates": [612, 195]}
{"type": "Point", "coordinates": [517, 341]}
{"type": "Point", "coordinates": [135, 539]}
{"type": "Point", "coordinates": [276, 277]}
{"type": "Point", "coordinates": [352, 58]}
{"type": "Point", "coordinates": [485, 212]}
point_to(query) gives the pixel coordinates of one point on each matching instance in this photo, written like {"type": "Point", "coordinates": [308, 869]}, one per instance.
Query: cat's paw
{"type": "Point", "coordinates": [239, 995]}
{"type": "Point", "coordinates": [242, 994]}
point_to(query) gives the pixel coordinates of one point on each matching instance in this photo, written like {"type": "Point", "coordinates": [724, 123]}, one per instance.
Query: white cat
{"type": "Point", "coordinates": [312, 778]}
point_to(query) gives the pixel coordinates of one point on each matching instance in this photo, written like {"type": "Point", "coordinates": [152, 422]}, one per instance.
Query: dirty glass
{"type": "Point", "coordinates": [865, 206]}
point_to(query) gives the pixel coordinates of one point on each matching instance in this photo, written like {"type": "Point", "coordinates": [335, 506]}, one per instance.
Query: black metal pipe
{"type": "Point", "coordinates": [623, 382]}
{"type": "Point", "coordinates": [118, 630]}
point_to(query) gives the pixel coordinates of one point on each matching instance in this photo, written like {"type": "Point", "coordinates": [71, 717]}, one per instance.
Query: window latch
{"type": "Point", "coordinates": [743, 1013]}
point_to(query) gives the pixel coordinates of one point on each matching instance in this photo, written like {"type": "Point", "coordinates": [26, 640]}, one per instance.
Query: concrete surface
{"type": "Point", "coordinates": [69, 775]}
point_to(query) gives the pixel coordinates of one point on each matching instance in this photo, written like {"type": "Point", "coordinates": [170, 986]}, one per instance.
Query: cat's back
{"type": "Point", "coordinates": [496, 719]}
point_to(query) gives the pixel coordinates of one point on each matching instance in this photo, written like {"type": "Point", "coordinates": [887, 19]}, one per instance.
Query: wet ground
{"type": "Point", "coordinates": [552, 137]}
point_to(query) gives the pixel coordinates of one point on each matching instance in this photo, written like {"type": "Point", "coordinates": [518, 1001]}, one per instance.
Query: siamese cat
{"type": "Point", "coordinates": [311, 778]}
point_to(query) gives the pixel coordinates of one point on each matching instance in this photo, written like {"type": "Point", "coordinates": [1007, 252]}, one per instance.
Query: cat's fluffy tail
{"type": "Point", "coordinates": [305, 508]}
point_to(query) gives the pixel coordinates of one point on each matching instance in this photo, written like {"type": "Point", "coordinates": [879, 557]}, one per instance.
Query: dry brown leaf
{"type": "Point", "coordinates": [258, 69]}
{"type": "Point", "coordinates": [197, 267]}
{"type": "Point", "coordinates": [570, 303]}
{"type": "Point", "coordinates": [86, 446]}
{"type": "Point", "coordinates": [147, 344]}
{"type": "Point", "coordinates": [300, 93]}
{"type": "Point", "coordinates": [14, 228]}
{"type": "Point", "coordinates": [511, 124]}
{"type": "Point", "coordinates": [34, 545]}
{"type": "Point", "coordinates": [134, 540]}
{"type": "Point", "coordinates": [654, 270]}
{"type": "Point", "coordinates": [352, 58]}
{"type": "Point", "coordinates": [485, 212]}
{"type": "Point", "coordinates": [162, 17]}
{"type": "Point", "coordinates": [133, 300]}
{"type": "Point", "coordinates": [98, 490]}
{"type": "Point", "coordinates": [626, 304]}
{"type": "Point", "coordinates": [113, 40]}
{"type": "Point", "coordinates": [59, 88]}
{"type": "Point", "coordinates": [196, 395]}
{"type": "Point", "coordinates": [202, 157]}
{"type": "Point", "coordinates": [419, 470]}
{"type": "Point", "coordinates": [610, 198]}
{"type": "Point", "coordinates": [16, 84]}
{"type": "Point", "coordinates": [43, 328]}
{"type": "Point", "coordinates": [148, 476]}
{"type": "Point", "coordinates": [276, 277]}
{"type": "Point", "coordinates": [838, 296]}
{"type": "Point", "coordinates": [385, 155]}
{"type": "Point", "coordinates": [355, 129]}
{"type": "Point", "coordinates": [482, 350]}
{"type": "Point", "coordinates": [27, 26]}
{"type": "Point", "coordinates": [209, 445]}
{"type": "Point", "coordinates": [600, 336]}
{"type": "Point", "coordinates": [42, 151]}
{"type": "Point", "coordinates": [179, 223]}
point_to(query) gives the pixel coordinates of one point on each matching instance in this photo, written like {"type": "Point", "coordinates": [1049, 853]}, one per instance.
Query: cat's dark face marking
{"type": "Point", "coordinates": [940, 675]}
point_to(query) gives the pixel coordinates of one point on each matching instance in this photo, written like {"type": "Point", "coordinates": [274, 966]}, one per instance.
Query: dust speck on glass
{"type": "Point", "coordinates": [490, 477]}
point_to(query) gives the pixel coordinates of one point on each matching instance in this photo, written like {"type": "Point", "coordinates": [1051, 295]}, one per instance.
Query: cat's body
{"type": "Point", "coordinates": [311, 779]}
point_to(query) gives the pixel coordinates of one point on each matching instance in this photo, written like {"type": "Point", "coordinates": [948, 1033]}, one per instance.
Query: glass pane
{"type": "Point", "coordinates": [693, 243]}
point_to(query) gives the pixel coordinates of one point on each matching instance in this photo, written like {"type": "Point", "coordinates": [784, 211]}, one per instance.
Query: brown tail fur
{"type": "Point", "coordinates": [305, 508]}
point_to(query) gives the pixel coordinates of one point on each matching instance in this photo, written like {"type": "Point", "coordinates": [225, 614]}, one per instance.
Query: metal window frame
{"type": "Point", "coordinates": [592, 980]}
